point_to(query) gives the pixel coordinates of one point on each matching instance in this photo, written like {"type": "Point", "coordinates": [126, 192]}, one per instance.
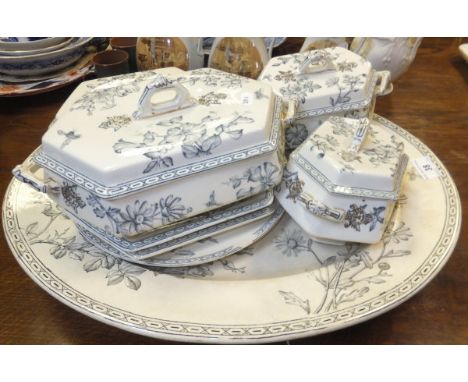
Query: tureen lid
{"type": "Point", "coordinates": [324, 81]}
{"type": "Point", "coordinates": [346, 156]}
{"type": "Point", "coordinates": [122, 134]}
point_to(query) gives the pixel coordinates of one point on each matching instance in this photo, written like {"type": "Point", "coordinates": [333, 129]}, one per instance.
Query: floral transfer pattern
{"type": "Point", "coordinates": [300, 89]}
{"type": "Point", "coordinates": [212, 98]}
{"type": "Point", "coordinates": [71, 197]}
{"type": "Point", "coordinates": [346, 86]}
{"type": "Point", "coordinates": [115, 122]}
{"type": "Point", "coordinates": [214, 78]}
{"type": "Point", "coordinates": [295, 135]}
{"type": "Point", "coordinates": [376, 154]}
{"type": "Point", "coordinates": [355, 217]}
{"type": "Point", "coordinates": [69, 137]}
{"type": "Point", "coordinates": [358, 215]}
{"type": "Point", "coordinates": [255, 180]}
{"type": "Point", "coordinates": [193, 138]}
{"type": "Point", "coordinates": [141, 216]}
{"type": "Point", "coordinates": [342, 76]}
{"type": "Point", "coordinates": [53, 230]}
{"type": "Point", "coordinates": [104, 97]}
{"type": "Point", "coordinates": [350, 273]}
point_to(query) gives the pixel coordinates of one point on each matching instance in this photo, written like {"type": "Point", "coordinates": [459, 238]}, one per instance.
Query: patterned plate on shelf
{"type": "Point", "coordinates": [282, 287]}
{"type": "Point", "coordinates": [15, 86]}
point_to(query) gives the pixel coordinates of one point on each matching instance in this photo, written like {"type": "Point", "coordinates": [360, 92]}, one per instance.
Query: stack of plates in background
{"type": "Point", "coordinates": [25, 59]}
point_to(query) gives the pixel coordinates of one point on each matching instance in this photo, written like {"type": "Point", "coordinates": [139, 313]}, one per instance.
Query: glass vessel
{"type": "Point", "coordinates": [245, 56]}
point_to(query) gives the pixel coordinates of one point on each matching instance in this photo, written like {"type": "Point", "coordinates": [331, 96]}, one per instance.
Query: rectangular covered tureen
{"type": "Point", "coordinates": [320, 83]}
{"type": "Point", "coordinates": [133, 153]}
{"type": "Point", "coordinates": [341, 184]}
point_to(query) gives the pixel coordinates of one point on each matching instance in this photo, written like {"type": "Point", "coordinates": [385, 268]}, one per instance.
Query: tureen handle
{"type": "Point", "coordinates": [316, 62]}
{"type": "Point", "coordinates": [293, 104]}
{"type": "Point", "coordinates": [180, 100]}
{"type": "Point", "coordinates": [384, 85]}
{"type": "Point", "coordinates": [359, 136]}
{"type": "Point", "coordinates": [321, 210]}
{"type": "Point", "coordinates": [350, 153]}
{"type": "Point", "coordinates": [25, 173]}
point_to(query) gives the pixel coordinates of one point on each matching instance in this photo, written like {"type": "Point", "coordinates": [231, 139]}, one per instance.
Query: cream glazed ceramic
{"type": "Point", "coordinates": [212, 248]}
{"type": "Point", "coordinates": [127, 160]}
{"type": "Point", "coordinates": [342, 183]}
{"type": "Point", "coordinates": [285, 286]}
{"type": "Point", "coordinates": [324, 82]}
{"type": "Point", "coordinates": [145, 249]}
{"type": "Point", "coordinates": [394, 54]}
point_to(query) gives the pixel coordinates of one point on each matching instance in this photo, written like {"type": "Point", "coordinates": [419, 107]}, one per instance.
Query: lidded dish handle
{"type": "Point", "coordinates": [25, 174]}
{"type": "Point", "coordinates": [335, 215]}
{"type": "Point", "coordinates": [312, 205]}
{"type": "Point", "coordinates": [359, 137]}
{"type": "Point", "coordinates": [146, 108]}
{"type": "Point", "coordinates": [316, 62]}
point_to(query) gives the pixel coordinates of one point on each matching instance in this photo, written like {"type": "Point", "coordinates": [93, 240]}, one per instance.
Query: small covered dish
{"type": "Point", "coordinates": [321, 83]}
{"type": "Point", "coordinates": [341, 184]}
{"type": "Point", "coordinates": [134, 153]}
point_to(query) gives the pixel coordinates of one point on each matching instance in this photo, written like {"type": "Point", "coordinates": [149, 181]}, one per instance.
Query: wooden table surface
{"type": "Point", "coordinates": [430, 101]}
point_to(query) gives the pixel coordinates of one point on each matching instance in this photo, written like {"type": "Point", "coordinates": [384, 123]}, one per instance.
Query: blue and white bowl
{"type": "Point", "coordinates": [31, 65]}
{"type": "Point", "coordinates": [29, 43]}
{"type": "Point", "coordinates": [32, 52]}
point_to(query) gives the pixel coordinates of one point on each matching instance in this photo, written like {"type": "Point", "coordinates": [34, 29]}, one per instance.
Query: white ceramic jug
{"type": "Point", "coordinates": [388, 53]}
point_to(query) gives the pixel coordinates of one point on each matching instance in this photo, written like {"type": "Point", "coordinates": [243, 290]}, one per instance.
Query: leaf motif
{"type": "Point", "coordinates": [167, 161]}
{"type": "Point", "coordinates": [151, 165]}
{"type": "Point", "coordinates": [76, 255]}
{"type": "Point", "coordinates": [329, 260]}
{"type": "Point", "coordinates": [210, 143]}
{"type": "Point", "coordinates": [291, 298]}
{"type": "Point", "coordinates": [107, 262]}
{"type": "Point", "coordinates": [235, 182]}
{"type": "Point", "coordinates": [190, 151]}
{"type": "Point", "coordinates": [243, 119]}
{"type": "Point", "coordinates": [176, 119]}
{"type": "Point", "coordinates": [397, 253]}
{"type": "Point", "coordinates": [69, 240]}
{"type": "Point", "coordinates": [366, 259]}
{"type": "Point", "coordinates": [209, 118]}
{"type": "Point", "coordinates": [152, 155]}
{"type": "Point", "coordinates": [132, 282]}
{"type": "Point", "coordinates": [131, 269]}
{"type": "Point", "coordinates": [122, 145]}
{"type": "Point", "coordinates": [235, 134]}
{"type": "Point", "coordinates": [92, 265]}
{"type": "Point", "coordinates": [115, 278]}
{"type": "Point", "coordinates": [31, 228]}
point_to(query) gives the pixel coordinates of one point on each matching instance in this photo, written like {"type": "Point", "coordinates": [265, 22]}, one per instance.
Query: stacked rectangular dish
{"type": "Point", "coordinates": [148, 162]}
